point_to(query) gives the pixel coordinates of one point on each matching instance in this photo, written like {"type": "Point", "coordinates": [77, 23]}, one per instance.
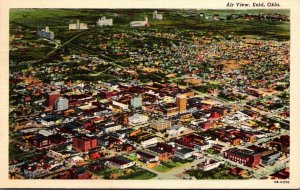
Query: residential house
{"type": "Point", "coordinates": [146, 156]}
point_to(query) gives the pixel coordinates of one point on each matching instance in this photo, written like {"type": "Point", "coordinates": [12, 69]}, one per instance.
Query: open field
{"type": "Point", "coordinates": [58, 19]}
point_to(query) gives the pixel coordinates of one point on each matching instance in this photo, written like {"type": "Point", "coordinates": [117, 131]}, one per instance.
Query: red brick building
{"type": "Point", "coordinates": [205, 125]}
{"type": "Point", "coordinates": [281, 144]}
{"type": "Point", "coordinates": [215, 115]}
{"type": "Point", "coordinates": [80, 173]}
{"type": "Point", "coordinates": [83, 144]}
{"type": "Point", "coordinates": [235, 141]}
{"type": "Point", "coordinates": [94, 155]}
{"type": "Point", "coordinates": [127, 147]}
{"type": "Point", "coordinates": [243, 156]}
{"type": "Point", "coordinates": [163, 151]}
{"type": "Point", "coordinates": [51, 98]}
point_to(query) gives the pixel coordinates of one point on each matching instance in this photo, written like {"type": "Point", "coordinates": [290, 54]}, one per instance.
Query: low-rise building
{"type": "Point", "coordinates": [270, 158]}
{"type": "Point", "coordinates": [282, 174]}
{"type": "Point", "coordinates": [138, 119]}
{"type": "Point", "coordinates": [110, 127]}
{"type": "Point", "coordinates": [80, 173]}
{"type": "Point", "coordinates": [120, 105]}
{"type": "Point", "coordinates": [175, 130]}
{"type": "Point", "coordinates": [121, 162]}
{"type": "Point", "coordinates": [163, 151]}
{"type": "Point", "coordinates": [169, 112]}
{"type": "Point", "coordinates": [146, 156]}
{"type": "Point", "coordinates": [140, 23]}
{"type": "Point", "coordinates": [208, 164]}
{"type": "Point", "coordinates": [148, 141]}
{"type": "Point", "coordinates": [78, 26]}
{"type": "Point", "coordinates": [281, 144]}
{"type": "Point", "coordinates": [58, 155]}
{"type": "Point", "coordinates": [34, 172]}
{"type": "Point", "coordinates": [184, 153]}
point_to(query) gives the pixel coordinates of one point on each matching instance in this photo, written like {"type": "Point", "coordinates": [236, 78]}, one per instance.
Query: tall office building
{"type": "Point", "coordinates": [181, 102]}
{"type": "Point", "coordinates": [51, 98]}
{"type": "Point", "coordinates": [136, 101]}
{"type": "Point", "coordinates": [61, 103]}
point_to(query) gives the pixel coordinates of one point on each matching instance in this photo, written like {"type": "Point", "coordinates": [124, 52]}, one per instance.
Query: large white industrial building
{"type": "Point", "coordinates": [104, 22]}
{"type": "Point", "coordinates": [140, 23]}
{"type": "Point", "coordinates": [157, 16]}
{"type": "Point", "coordinates": [78, 26]}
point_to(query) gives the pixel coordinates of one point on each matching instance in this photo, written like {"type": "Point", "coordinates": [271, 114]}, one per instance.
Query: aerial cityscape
{"type": "Point", "coordinates": [149, 94]}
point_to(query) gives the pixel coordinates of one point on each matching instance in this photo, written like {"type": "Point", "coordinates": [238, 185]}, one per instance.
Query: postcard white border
{"type": "Point", "coordinates": [5, 182]}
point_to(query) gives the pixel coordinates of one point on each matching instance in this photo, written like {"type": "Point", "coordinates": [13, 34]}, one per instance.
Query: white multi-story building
{"type": "Point", "coordinates": [78, 26]}
{"type": "Point", "coordinates": [157, 16]}
{"type": "Point", "coordinates": [138, 119]}
{"type": "Point", "coordinates": [136, 101]}
{"type": "Point", "coordinates": [104, 22]}
{"type": "Point", "coordinates": [140, 23]}
{"type": "Point", "coordinates": [46, 33]}
{"type": "Point", "coordinates": [61, 104]}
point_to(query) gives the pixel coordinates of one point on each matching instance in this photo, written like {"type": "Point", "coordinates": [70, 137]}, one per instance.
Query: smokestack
{"type": "Point", "coordinates": [146, 19]}
{"type": "Point", "coordinates": [77, 25]}
{"type": "Point", "coordinates": [47, 29]}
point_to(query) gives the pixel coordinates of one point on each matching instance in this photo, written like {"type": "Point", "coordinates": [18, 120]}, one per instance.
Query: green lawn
{"type": "Point", "coordinates": [167, 166]}
{"type": "Point", "coordinates": [211, 151]}
{"type": "Point", "coordinates": [131, 157]}
{"type": "Point", "coordinates": [136, 173]}
{"type": "Point", "coordinates": [107, 171]}
{"type": "Point", "coordinates": [221, 172]}
{"type": "Point", "coordinates": [139, 174]}
{"type": "Point", "coordinates": [14, 151]}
